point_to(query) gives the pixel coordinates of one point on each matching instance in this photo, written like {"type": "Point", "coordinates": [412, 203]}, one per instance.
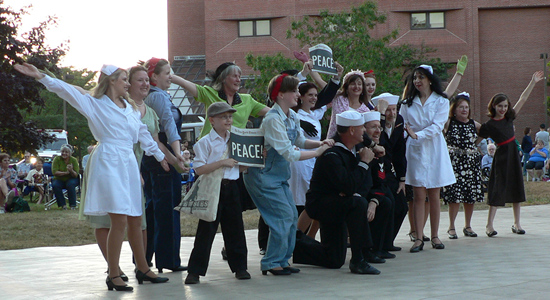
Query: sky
{"type": "Point", "coordinates": [118, 32]}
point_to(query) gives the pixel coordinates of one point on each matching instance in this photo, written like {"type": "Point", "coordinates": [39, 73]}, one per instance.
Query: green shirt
{"type": "Point", "coordinates": [60, 165]}
{"type": "Point", "coordinates": [245, 109]}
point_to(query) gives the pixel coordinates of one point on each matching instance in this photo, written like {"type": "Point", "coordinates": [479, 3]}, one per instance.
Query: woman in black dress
{"type": "Point", "coordinates": [506, 179]}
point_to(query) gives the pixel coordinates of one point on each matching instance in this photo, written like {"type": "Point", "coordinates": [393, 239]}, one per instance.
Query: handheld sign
{"type": "Point", "coordinates": [246, 145]}
{"type": "Point", "coordinates": [321, 55]}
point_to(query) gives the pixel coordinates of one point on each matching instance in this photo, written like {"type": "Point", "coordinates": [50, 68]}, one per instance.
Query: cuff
{"type": "Point", "coordinates": [336, 81]}
{"type": "Point", "coordinates": [375, 201]}
{"type": "Point", "coordinates": [402, 179]}
{"type": "Point", "coordinates": [301, 77]}
{"type": "Point", "coordinates": [364, 165]}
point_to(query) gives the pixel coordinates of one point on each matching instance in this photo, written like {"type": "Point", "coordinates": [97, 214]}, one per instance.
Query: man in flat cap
{"type": "Point", "coordinates": [334, 201]}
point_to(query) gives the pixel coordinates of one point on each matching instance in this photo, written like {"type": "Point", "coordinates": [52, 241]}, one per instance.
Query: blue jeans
{"type": "Point", "coordinates": [270, 191]}
{"type": "Point", "coordinates": [70, 185]}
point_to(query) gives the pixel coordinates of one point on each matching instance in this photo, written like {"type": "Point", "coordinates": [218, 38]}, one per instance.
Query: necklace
{"type": "Point", "coordinates": [140, 105]}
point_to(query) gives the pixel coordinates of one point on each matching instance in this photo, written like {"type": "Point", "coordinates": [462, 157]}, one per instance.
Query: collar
{"type": "Point", "coordinates": [156, 89]}
{"type": "Point", "coordinates": [213, 134]}
{"type": "Point", "coordinates": [279, 110]}
{"type": "Point", "coordinates": [236, 98]}
{"type": "Point", "coordinates": [339, 144]}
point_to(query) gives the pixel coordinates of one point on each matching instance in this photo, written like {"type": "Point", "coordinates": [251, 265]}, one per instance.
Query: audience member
{"type": "Point", "coordinates": [87, 156]}
{"type": "Point", "coordinates": [538, 156]}
{"type": "Point", "coordinates": [65, 171]}
{"type": "Point", "coordinates": [543, 135]}
{"type": "Point", "coordinates": [526, 147]}
{"type": "Point", "coordinates": [7, 181]}
{"type": "Point", "coordinates": [36, 180]}
{"type": "Point", "coordinates": [487, 160]}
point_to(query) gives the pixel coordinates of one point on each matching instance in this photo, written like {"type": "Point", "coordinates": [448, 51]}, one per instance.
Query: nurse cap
{"type": "Point", "coordinates": [349, 118]}
{"type": "Point", "coordinates": [108, 69]}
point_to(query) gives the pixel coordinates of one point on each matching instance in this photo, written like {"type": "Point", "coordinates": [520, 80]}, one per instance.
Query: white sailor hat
{"type": "Point", "coordinates": [392, 99]}
{"type": "Point", "coordinates": [108, 69]}
{"type": "Point", "coordinates": [371, 116]}
{"type": "Point", "coordinates": [349, 118]}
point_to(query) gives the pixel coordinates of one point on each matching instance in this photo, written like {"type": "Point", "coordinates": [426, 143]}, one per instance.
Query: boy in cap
{"type": "Point", "coordinates": [333, 199]}
{"type": "Point", "coordinates": [211, 152]}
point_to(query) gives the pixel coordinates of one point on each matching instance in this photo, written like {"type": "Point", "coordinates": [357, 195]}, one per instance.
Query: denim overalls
{"type": "Point", "coordinates": [270, 191]}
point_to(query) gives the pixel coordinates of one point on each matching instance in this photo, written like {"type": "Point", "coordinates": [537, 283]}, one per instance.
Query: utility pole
{"type": "Point", "coordinates": [544, 57]}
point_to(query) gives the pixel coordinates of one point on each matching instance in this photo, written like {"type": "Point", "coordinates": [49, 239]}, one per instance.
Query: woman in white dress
{"type": "Point", "coordinates": [425, 110]}
{"type": "Point", "coordinates": [113, 183]}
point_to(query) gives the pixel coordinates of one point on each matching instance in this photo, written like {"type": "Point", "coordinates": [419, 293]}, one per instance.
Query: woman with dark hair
{"type": "Point", "coordinates": [526, 146]}
{"type": "Point", "coordinates": [226, 82]}
{"type": "Point", "coordinates": [268, 186]}
{"type": "Point", "coordinates": [461, 134]}
{"type": "Point", "coordinates": [352, 95]}
{"type": "Point", "coordinates": [163, 190]}
{"type": "Point", "coordinates": [425, 110]}
{"type": "Point", "coordinates": [301, 170]}
{"type": "Point", "coordinates": [114, 183]}
{"type": "Point", "coordinates": [506, 179]}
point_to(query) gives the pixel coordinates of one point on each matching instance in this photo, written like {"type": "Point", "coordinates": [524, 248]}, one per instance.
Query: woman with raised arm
{"type": "Point", "coordinates": [114, 183]}
{"type": "Point", "coordinates": [461, 134]}
{"type": "Point", "coordinates": [506, 178]}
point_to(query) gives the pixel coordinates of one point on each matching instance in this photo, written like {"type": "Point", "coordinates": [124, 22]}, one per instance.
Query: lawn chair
{"type": "Point", "coordinates": [186, 184]}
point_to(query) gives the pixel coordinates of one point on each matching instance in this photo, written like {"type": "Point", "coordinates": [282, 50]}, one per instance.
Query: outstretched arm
{"type": "Point", "coordinates": [453, 84]}
{"type": "Point", "coordinates": [537, 76]}
{"type": "Point", "coordinates": [29, 70]}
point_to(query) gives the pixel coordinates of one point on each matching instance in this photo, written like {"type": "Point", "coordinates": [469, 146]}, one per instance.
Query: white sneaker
{"type": "Point", "coordinates": [9, 197]}
{"type": "Point", "coordinates": [2, 211]}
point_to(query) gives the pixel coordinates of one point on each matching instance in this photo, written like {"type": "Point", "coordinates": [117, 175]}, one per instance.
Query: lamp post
{"type": "Point", "coordinates": [544, 57]}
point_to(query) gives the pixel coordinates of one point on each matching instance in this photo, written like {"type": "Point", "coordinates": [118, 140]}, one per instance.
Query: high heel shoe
{"type": "Point", "coordinates": [439, 246]}
{"type": "Point", "coordinates": [420, 247]}
{"type": "Point", "coordinates": [141, 277]}
{"type": "Point", "coordinates": [277, 272]}
{"type": "Point", "coordinates": [491, 233]}
{"type": "Point", "coordinates": [452, 236]}
{"type": "Point", "coordinates": [516, 230]}
{"type": "Point", "coordinates": [469, 233]}
{"type": "Point", "coordinates": [411, 236]}
{"type": "Point", "coordinates": [111, 285]}
{"type": "Point", "coordinates": [122, 275]}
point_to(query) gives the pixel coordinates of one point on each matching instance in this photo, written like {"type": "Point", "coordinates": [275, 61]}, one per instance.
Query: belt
{"type": "Point", "coordinates": [507, 141]}
{"type": "Point", "coordinates": [227, 181]}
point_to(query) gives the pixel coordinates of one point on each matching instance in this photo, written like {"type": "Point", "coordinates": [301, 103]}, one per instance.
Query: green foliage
{"type": "Point", "coordinates": [19, 93]}
{"type": "Point", "coordinates": [348, 34]}
{"type": "Point", "coordinates": [268, 66]}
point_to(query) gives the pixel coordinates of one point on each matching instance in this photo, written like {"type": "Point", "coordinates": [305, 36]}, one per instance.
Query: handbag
{"type": "Point", "coordinates": [203, 197]}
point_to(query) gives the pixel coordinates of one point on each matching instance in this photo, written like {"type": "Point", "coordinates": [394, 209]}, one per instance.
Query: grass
{"type": "Point", "coordinates": [56, 227]}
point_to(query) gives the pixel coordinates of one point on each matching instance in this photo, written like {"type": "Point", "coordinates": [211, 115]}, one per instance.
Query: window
{"type": "Point", "coordinates": [255, 28]}
{"type": "Point", "coordinates": [427, 20]}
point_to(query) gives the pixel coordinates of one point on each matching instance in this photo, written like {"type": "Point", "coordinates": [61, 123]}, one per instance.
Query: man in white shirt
{"type": "Point", "coordinates": [543, 135]}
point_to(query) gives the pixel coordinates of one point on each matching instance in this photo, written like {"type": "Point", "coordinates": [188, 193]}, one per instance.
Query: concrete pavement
{"type": "Point", "coordinates": [508, 266]}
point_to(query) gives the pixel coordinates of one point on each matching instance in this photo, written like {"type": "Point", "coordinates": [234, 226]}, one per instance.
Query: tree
{"type": "Point", "coordinates": [348, 35]}
{"type": "Point", "coordinates": [19, 93]}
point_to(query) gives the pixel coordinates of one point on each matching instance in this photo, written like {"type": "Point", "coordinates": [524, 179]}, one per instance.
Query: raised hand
{"type": "Point", "coordinates": [538, 76]}
{"type": "Point", "coordinates": [29, 70]}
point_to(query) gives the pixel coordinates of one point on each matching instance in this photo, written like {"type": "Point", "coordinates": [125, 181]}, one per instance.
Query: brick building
{"type": "Point", "coordinates": [503, 39]}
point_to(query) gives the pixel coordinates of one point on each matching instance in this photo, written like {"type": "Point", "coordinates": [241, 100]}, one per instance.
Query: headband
{"type": "Point", "coordinates": [356, 72]}
{"type": "Point", "coordinates": [427, 68]}
{"type": "Point", "coordinates": [463, 95]}
{"type": "Point", "coordinates": [277, 86]}
{"type": "Point", "coordinates": [151, 65]}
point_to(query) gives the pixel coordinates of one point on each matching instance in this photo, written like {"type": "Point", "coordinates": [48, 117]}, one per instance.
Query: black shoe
{"type": "Point", "coordinates": [469, 233]}
{"type": "Point", "coordinates": [491, 234]}
{"type": "Point", "coordinates": [516, 230]}
{"type": "Point", "coordinates": [384, 254]}
{"type": "Point", "coordinates": [176, 269]}
{"type": "Point", "coordinates": [141, 277]}
{"type": "Point", "coordinates": [363, 267]}
{"type": "Point", "coordinates": [123, 277]}
{"type": "Point", "coordinates": [373, 259]}
{"type": "Point", "coordinates": [425, 238]}
{"type": "Point", "coordinates": [439, 246]}
{"type": "Point", "coordinates": [393, 248]}
{"type": "Point", "coordinates": [192, 279]}
{"type": "Point", "coordinates": [452, 236]}
{"type": "Point", "coordinates": [277, 272]}
{"type": "Point", "coordinates": [111, 285]}
{"type": "Point", "coordinates": [292, 270]}
{"type": "Point", "coordinates": [150, 264]}
{"type": "Point", "coordinates": [420, 247]}
{"type": "Point", "coordinates": [242, 274]}
{"type": "Point", "coordinates": [224, 254]}
{"type": "Point", "coordinates": [262, 251]}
